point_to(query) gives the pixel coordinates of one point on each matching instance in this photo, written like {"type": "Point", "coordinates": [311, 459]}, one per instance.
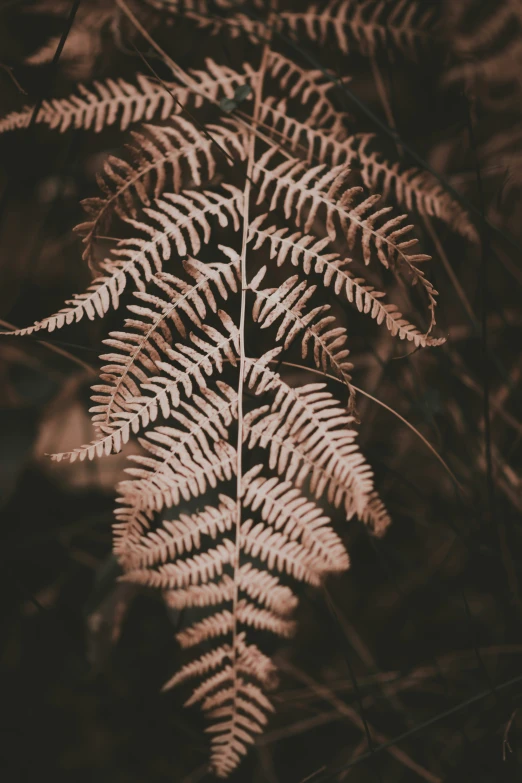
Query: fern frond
{"type": "Point", "coordinates": [307, 192]}
{"type": "Point", "coordinates": [159, 161]}
{"type": "Point", "coordinates": [147, 337]}
{"type": "Point", "coordinates": [175, 227]}
{"type": "Point", "coordinates": [259, 585]}
{"type": "Point", "coordinates": [372, 25]}
{"type": "Point", "coordinates": [283, 507]}
{"type": "Point", "coordinates": [264, 619]}
{"type": "Point", "coordinates": [204, 690]}
{"type": "Point", "coordinates": [309, 86]}
{"type": "Point", "coordinates": [175, 220]}
{"type": "Point", "coordinates": [241, 711]}
{"type": "Point", "coordinates": [307, 251]}
{"type": "Point", "coordinates": [266, 589]}
{"type": "Point", "coordinates": [176, 538]}
{"type": "Point", "coordinates": [163, 479]}
{"type": "Point", "coordinates": [105, 104]}
{"type": "Point", "coordinates": [201, 595]}
{"type": "Point", "coordinates": [307, 437]}
{"type": "Point", "coordinates": [299, 135]}
{"type": "Point", "coordinates": [187, 367]}
{"type": "Point", "coordinates": [221, 623]}
{"type": "Point", "coordinates": [288, 303]}
{"type": "Point", "coordinates": [249, 660]}
{"type": "Point", "coordinates": [409, 187]}
{"type": "Point", "coordinates": [208, 416]}
{"type": "Point", "coordinates": [227, 561]}
{"type": "Point", "coordinates": [220, 81]}
{"type": "Point", "coordinates": [281, 553]}
{"type": "Point", "coordinates": [118, 102]}
{"type": "Point", "coordinates": [130, 524]}
{"type": "Point", "coordinates": [200, 569]}
{"type": "Point", "coordinates": [201, 666]}
{"type": "Point", "coordinates": [375, 515]}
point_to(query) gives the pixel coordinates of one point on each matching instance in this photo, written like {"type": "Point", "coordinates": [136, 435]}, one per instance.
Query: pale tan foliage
{"type": "Point", "coordinates": [306, 250]}
{"type": "Point", "coordinates": [318, 331]}
{"type": "Point", "coordinates": [369, 24]}
{"type": "Point", "coordinates": [116, 101]}
{"type": "Point", "coordinates": [207, 266]}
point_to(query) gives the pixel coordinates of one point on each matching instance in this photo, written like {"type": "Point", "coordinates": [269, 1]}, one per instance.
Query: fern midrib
{"type": "Point", "coordinates": [258, 97]}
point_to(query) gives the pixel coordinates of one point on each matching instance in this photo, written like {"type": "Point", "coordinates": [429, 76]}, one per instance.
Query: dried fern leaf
{"type": "Point", "coordinates": [229, 559]}
{"type": "Point", "coordinates": [239, 713]}
{"type": "Point", "coordinates": [176, 538]}
{"type": "Point", "coordinates": [172, 471]}
{"type": "Point", "coordinates": [372, 25]}
{"type": "Point", "coordinates": [307, 438]}
{"type": "Point", "coordinates": [259, 585]}
{"type": "Point", "coordinates": [118, 102]}
{"type": "Point", "coordinates": [307, 251]}
{"type": "Point", "coordinates": [283, 507]}
{"type": "Point", "coordinates": [176, 223]}
{"type": "Point", "coordinates": [249, 655]}
{"type": "Point", "coordinates": [200, 569]}
{"type": "Point", "coordinates": [409, 187]}
{"type": "Point", "coordinates": [288, 302]}
{"type": "Point", "coordinates": [163, 159]}
{"type": "Point", "coordinates": [308, 193]}
{"type": "Point", "coordinates": [310, 87]}
{"type": "Point", "coordinates": [104, 104]}
{"type": "Point", "coordinates": [147, 336]}
{"type": "Point", "coordinates": [187, 367]}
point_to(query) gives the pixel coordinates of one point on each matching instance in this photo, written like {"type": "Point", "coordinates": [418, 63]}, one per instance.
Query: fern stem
{"type": "Point", "coordinates": [242, 356]}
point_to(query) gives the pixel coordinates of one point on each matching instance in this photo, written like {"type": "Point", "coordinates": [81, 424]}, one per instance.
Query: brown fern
{"type": "Point", "coordinates": [207, 266]}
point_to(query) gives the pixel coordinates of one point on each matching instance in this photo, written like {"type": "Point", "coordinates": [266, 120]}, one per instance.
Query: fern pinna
{"type": "Point", "coordinates": [244, 218]}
